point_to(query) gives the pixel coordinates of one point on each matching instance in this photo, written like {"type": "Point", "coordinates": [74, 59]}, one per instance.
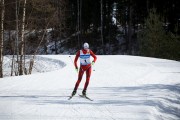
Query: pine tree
{"type": "Point", "coordinates": [155, 41]}
{"type": "Point", "coordinates": [153, 34]}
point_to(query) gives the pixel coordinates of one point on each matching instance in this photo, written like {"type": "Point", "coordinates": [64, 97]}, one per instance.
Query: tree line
{"type": "Point", "coordinates": [134, 27]}
{"type": "Point", "coordinates": [24, 27]}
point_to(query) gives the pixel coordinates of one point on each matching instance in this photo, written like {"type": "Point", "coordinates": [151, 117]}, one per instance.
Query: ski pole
{"type": "Point", "coordinates": [72, 62]}
{"type": "Point", "coordinates": [92, 64]}
{"type": "Point", "coordinates": [93, 68]}
{"type": "Point", "coordinates": [71, 59]}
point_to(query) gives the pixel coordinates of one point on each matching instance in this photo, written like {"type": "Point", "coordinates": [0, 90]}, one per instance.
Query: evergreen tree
{"type": "Point", "coordinates": [155, 41]}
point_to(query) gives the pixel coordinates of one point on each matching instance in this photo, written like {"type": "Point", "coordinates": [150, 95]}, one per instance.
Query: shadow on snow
{"type": "Point", "coordinates": [164, 98]}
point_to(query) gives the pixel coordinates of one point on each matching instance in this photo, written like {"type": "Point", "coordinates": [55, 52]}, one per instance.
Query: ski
{"type": "Point", "coordinates": [70, 97]}
{"type": "Point", "coordinates": [83, 96]}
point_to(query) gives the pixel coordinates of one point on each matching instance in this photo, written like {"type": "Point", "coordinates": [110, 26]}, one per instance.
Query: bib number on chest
{"type": "Point", "coordinates": [85, 59]}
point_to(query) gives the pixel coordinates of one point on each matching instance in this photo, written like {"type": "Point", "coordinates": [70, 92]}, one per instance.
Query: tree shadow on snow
{"type": "Point", "coordinates": [164, 98]}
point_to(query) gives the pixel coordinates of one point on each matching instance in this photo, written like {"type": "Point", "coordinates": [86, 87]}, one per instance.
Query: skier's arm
{"type": "Point", "coordinates": [94, 56]}
{"type": "Point", "coordinates": [76, 59]}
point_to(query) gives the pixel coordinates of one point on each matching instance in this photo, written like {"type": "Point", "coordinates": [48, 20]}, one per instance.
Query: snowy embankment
{"type": "Point", "coordinates": [123, 88]}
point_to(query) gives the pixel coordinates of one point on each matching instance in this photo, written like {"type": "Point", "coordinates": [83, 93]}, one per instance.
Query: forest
{"type": "Point", "coordinates": [148, 28]}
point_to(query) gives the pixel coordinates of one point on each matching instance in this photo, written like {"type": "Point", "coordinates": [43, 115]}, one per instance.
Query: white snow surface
{"type": "Point", "coordinates": [122, 87]}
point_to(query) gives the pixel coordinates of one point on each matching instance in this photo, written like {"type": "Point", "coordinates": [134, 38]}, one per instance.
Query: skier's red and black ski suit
{"type": "Point", "coordinates": [83, 68]}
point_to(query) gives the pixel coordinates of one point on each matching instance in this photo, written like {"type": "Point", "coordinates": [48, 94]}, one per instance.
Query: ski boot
{"type": "Point", "coordinates": [84, 92]}
{"type": "Point", "coordinates": [73, 93]}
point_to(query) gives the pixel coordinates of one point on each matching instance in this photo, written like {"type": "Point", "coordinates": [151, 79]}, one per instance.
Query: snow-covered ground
{"type": "Point", "coordinates": [122, 87]}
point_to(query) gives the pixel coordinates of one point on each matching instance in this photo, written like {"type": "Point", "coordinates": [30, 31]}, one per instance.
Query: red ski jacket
{"type": "Point", "coordinates": [84, 67]}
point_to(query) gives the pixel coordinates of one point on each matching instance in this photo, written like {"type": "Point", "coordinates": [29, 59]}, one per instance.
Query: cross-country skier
{"type": "Point", "coordinates": [85, 66]}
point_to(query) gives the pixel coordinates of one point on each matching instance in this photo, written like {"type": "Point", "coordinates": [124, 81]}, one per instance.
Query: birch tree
{"type": "Point", "coordinates": [22, 40]}
{"type": "Point", "coordinates": [17, 36]}
{"type": "Point", "coordinates": [1, 38]}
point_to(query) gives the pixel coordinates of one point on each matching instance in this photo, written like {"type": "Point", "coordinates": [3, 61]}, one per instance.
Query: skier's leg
{"type": "Point", "coordinates": [88, 75]}
{"type": "Point", "coordinates": [81, 72]}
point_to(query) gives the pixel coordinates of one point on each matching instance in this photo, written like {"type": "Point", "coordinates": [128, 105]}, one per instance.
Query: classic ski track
{"type": "Point", "coordinates": [103, 103]}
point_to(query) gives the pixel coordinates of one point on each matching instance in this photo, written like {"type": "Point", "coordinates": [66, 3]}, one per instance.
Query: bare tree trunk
{"type": "Point", "coordinates": [31, 65]}
{"type": "Point", "coordinates": [102, 26]}
{"type": "Point", "coordinates": [78, 22]}
{"type": "Point", "coordinates": [25, 69]}
{"type": "Point", "coordinates": [16, 63]}
{"type": "Point", "coordinates": [12, 52]}
{"type": "Point", "coordinates": [60, 14]}
{"type": "Point", "coordinates": [12, 66]}
{"type": "Point", "coordinates": [17, 39]}
{"type": "Point", "coordinates": [2, 38]}
{"type": "Point", "coordinates": [130, 28]}
{"type": "Point", "coordinates": [22, 39]}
